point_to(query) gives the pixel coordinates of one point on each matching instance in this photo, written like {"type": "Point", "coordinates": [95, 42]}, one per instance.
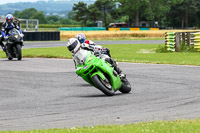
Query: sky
{"type": "Point", "coordinates": [14, 1]}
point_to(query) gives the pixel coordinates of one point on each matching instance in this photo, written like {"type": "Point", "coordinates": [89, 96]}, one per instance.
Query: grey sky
{"type": "Point", "coordinates": [14, 1]}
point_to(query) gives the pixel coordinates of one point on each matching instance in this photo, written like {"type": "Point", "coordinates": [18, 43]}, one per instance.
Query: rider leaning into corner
{"type": "Point", "coordinates": [90, 45]}
{"type": "Point", "coordinates": [6, 27]}
{"type": "Point", "coordinates": [74, 45]}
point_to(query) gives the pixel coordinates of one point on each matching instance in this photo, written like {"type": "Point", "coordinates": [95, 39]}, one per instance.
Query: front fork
{"type": "Point", "coordinates": [99, 73]}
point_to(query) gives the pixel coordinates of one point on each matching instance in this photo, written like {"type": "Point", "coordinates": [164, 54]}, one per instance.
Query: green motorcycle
{"type": "Point", "coordinates": [100, 73]}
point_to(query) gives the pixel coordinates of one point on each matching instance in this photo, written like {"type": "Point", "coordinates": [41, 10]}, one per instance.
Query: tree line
{"type": "Point", "coordinates": [168, 13]}
{"type": "Point", "coordinates": [32, 13]}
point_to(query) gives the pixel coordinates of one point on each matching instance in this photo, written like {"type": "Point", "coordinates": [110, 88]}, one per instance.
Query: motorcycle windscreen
{"type": "Point", "coordinates": [14, 32]}
{"type": "Point", "coordinates": [80, 57]}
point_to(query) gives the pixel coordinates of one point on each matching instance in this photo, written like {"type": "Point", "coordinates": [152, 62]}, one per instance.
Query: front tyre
{"type": "Point", "coordinates": [10, 58]}
{"type": "Point", "coordinates": [7, 55]}
{"type": "Point", "coordinates": [126, 86]}
{"type": "Point", "coordinates": [19, 52]}
{"type": "Point", "coordinates": [103, 85]}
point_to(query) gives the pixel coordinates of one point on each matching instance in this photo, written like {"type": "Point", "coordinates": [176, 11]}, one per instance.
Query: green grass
{"type": "Point", "coordinates": [178, 126]}
{"type": "Point", "coordinates": [137, 53]}
{"type": "Point", "coordinates": [145, 53]}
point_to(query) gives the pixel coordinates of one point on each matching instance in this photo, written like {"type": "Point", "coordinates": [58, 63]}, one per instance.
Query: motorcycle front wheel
{"type": "Point", "coordinates": [126, 86]}
{"type": "Point", "coordinates": [19, 52]}
{"type": "Point", "coordinates": [7, 55]}
{"type": "Point", "coordinates": [103, 85]}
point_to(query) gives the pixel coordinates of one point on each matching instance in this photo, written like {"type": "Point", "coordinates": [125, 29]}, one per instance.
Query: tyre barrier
{"type": "Point", "coordinates": [170, 41]}
{"type": "Point", "coordinates": [173, 40]}
{"type": "Point", "coordinates": [41, 36]}
{"type": "Point", "coordinates": [131, 29]}
{"type": "Point", "coordinates": [197, 41]}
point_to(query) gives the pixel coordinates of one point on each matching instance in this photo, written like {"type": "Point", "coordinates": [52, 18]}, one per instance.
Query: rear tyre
{"type": "Point", "coordinates": [19, 52]}
{"type": "Point", "coordinates": [126, 86]}
{"type": "Point", "coordinates": [103, 85]}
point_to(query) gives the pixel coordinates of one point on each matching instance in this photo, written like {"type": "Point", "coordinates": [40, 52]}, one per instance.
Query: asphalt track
{"type": "Point", "coordinates": [62, 43]}
{"type": "Point", "coordinates": [46, 93]}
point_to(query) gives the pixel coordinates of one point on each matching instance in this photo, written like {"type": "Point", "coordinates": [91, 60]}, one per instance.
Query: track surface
{"type": "Point", "coordinates": [62, 43]}
{"type": "Point", "coordinates": [46, 93]}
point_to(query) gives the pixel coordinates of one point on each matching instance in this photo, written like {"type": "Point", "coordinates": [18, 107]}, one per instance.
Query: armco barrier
{"type": "Point", "coordinates": [144, 29]}
{"type": "Point", "coordinates": [41, 36]}
{"type": "Point", "coordinates": [154, 28]}
{"type": "Point", "coordinates": [124, 28]}
{"type": "Point", "coordinates": [133, 29]}
{"type": "Point", "coordinates": [102, 28]}
{"type": "Point", "coordinates": [114, 29]}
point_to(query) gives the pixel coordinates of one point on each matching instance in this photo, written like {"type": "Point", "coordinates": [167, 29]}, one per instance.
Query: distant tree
{"type": "Point", "coordinates": [106, 7]}
{"type": "Point", "coordinates": [132, 9]}
{"type": "Point", "coordinates": [184, 14]}
{"type": "Point", "coordinates": [27, 13]}
{"type": "Point", "coordinates": [52, 19]}
{"type": "Point", "coordinates": [40, 16]}
{"type": "Point", "coordinates": [70, 15]}
{"type": "Point", "coordinates": [117, 15]}
{"type": "Point", "coordinates": [197, 17]}
{"type": "Point", "coordinates": [158, 9]}
{"type": "Point", "coordinates": [16, 14]}
{"type": "Point", "coordinates": [81, 11]}
{"type": "Point", "coordinates": [94, 13]}
{"type": "Point", "coordinates": [68, 21]}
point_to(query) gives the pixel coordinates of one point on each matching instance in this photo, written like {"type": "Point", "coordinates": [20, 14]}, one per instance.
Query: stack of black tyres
{"type": "Point", "coordinates": [42, 36]}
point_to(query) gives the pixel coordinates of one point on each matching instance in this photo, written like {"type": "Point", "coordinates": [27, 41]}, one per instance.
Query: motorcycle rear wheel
{"type": "Point", "coordinates": [103, 85]}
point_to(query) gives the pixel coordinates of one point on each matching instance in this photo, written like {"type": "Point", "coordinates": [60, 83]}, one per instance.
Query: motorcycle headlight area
{"type": "Point", "coordinates": [16, 36]}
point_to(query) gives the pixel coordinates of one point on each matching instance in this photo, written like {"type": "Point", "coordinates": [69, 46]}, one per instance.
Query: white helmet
{"type": "Point", "coordinates": [73, 45]}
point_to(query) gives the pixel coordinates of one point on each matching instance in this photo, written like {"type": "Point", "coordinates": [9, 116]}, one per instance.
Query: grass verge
{"type": "Point", "coordinates": [135, 53]}
{"type": "Point", "coordinates": [178, 126]}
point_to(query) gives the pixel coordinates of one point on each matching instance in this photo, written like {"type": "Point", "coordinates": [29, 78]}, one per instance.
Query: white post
{"type": "Point", "coordinates": [26, 25]}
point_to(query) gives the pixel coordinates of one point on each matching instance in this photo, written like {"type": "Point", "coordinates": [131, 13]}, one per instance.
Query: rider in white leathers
{"type": "Point", "coordinates": [74, 46]}
{"type": "Point", "coordinates": [102, 52]}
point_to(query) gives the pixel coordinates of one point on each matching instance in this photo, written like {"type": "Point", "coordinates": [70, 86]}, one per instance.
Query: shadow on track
{"type": "Point", "coordinates": [12, 60]}
{"type": "Point", "coordinates": [102, 95]}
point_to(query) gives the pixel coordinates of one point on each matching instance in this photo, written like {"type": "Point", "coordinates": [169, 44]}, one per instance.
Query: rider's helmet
{"type": "Point", "coordinates": [9, 18]}
{"type": "Point", "coordinates": [73, 45]}
{"type": "Point", "coordinates": [81, 37]}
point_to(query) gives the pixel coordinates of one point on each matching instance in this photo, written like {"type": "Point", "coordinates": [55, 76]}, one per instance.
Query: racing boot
{"type": "Point", "coordinates": [119, 71]}
{"type": "Point", "coordinates": [114, 64]}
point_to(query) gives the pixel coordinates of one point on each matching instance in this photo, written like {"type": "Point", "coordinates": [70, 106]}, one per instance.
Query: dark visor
{"type": "Point", "coordinates": [73, 45]}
